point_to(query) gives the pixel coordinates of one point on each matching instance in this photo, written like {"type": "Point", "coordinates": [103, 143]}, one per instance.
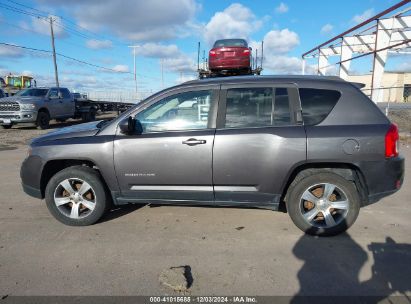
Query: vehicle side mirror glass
{"type": "Point", "coordinates": [130, 125]}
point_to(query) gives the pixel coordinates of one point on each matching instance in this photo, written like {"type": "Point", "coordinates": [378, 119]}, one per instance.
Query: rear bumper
{"type": "Point", "coordinates": [383, 178]}
{"type": "Point", "coordinates": [229, 64]}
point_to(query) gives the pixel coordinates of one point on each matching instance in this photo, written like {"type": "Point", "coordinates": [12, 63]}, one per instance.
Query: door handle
{"type": "Point", "coordinates": [193, 142]}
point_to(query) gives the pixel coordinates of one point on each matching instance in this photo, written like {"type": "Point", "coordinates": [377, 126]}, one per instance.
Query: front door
{"type": "Point", "coordinates": [67, 103]}
{"type": "Point", "coordinates": [172, 159]}
{"type": "Point", "coordinates": [259, 138]}
{"type": "Point", "coordinates": [54, 104]}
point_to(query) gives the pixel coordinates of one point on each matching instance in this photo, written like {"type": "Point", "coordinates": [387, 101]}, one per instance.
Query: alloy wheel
{"type": "Point", "coordinates": [75, 198]}
{"type": "Point", "coordinates": [324, 205]}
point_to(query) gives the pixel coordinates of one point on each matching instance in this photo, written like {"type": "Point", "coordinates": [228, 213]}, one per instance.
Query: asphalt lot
{"type": "Point", "coordinates": [229, 251]}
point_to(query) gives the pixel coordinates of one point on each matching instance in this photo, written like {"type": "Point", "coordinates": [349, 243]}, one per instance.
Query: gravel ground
{"type": "Point", "coordinates": [403, 119]}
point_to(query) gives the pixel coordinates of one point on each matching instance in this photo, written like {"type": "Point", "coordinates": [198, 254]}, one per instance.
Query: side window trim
{"type": "Point", "coordinates": [294, 102]}
{"type": "Point", "coordinates": [214, 103]}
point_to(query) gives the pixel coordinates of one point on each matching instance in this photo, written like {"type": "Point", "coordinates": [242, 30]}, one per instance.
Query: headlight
{"type": "Point", "coordinates": [27, 106]}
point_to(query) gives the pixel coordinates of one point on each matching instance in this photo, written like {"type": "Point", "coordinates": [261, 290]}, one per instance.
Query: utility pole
{"type": "Point", "coordinates": [54, 52]}
{"type": "Point", "coordinates": [134, 56]}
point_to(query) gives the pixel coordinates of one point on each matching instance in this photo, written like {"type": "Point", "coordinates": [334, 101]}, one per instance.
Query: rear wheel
{"type": "Point", "coordinates": [323, 203]}
{"type": "Point", "coordinates": [43, 120]}
{"type": "Point", "coordinates": [76, 196]}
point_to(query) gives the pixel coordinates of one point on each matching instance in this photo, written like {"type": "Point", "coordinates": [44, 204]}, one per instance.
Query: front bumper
{"type": "Point", "coordinates": [30, 174]}
{"type": "Point", "coordinates": [383, 178]}
{"type": "Point", "coordinates": [7, 118]}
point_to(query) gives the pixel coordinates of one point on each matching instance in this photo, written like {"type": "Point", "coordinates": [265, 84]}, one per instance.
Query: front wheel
{"type": "Point", "coordinates": [323, 203]}
{"type": "Point", "coordinates": [76, 196]}
{"type": "Point", "coordinates": [43, 120]}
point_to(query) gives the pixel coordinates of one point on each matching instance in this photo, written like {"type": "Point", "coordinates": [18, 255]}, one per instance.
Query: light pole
{"type": "Point", "coordinates": [134, 58]}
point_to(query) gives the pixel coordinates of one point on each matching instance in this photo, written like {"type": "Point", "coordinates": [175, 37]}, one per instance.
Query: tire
{"type": "Point", "coordinates": [314, 214]}
{"type": "Point", "coordinates": [43, 120]}
{"type": "Point", "coordinates": [77, 209]}
{"type": "Point", "coordinates": [92, 115]}
{"type": "Point", "coordinates": [7, 126]}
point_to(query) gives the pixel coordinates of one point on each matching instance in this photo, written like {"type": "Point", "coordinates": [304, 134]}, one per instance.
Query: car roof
{"type": "Point", "coordinates": [265, 78]}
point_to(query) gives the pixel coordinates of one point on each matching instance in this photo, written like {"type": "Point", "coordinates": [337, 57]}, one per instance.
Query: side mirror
{"type": "Point", "coordinates": [131, 125]}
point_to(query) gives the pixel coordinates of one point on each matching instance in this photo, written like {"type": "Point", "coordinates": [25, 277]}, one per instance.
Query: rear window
{"type": "Point", "coordinates": [230, 42]}
{"type": "Point", "coordinates": [317, 104]}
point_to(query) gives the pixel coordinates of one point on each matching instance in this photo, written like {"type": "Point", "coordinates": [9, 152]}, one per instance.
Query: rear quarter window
{"type": "Point", "coordinates": [317, 104]}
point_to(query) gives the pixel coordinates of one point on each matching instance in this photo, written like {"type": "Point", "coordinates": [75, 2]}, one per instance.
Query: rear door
{"type": "Point", "coordinates": [259, 139]}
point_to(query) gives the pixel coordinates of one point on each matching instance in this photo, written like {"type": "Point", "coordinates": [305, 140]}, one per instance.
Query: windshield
{"type": "Point", "coordinates": [32, 92]}
{"type": "Point", "coordinates": [230, 42]}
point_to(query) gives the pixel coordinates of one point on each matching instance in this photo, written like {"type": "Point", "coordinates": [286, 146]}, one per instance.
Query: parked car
{"type": "Point", "coordinates": [230, 55]}
{"type": "Point", "coordinates": [2, 94]}
{"type": "Point", "coordinates": [37, 106]}
{"type": "Point", "coordinates": [316, 144]}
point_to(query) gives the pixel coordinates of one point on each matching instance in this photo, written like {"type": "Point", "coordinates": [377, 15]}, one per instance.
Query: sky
{"type": "Point", "coordinates": [166, 33]}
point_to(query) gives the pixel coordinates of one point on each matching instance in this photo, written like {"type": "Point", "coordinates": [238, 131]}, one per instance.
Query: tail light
{"type": "Point", "coordinates": [246, 52]}
{"type": "Point", "coordinates": [212, 53]}
{"type": "Point", "coordinates": [391, 141]}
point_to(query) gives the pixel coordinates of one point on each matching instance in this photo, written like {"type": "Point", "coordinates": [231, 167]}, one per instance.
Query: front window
{"type": "Point", "coordinates": [32, 92]}
{"type": "Point", "coordinates": [184, 111]}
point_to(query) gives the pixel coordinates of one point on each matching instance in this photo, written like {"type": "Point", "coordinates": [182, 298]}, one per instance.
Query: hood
{"type": "Point", "coordinates": [21, 99]}
{"type": "Point", "coordinates": [81, 130]}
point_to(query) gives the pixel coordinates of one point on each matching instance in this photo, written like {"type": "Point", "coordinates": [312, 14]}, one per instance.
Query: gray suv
{"type": "Point", "coordinates": [316, 146]}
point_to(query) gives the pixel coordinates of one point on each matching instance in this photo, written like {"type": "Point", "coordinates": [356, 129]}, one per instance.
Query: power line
{"type": "Point", "coordinates": [74, 59]}
{"type": "Point", "coordinates": [65, 56]}
{"type": "Point", "coordinates": [66, 27]}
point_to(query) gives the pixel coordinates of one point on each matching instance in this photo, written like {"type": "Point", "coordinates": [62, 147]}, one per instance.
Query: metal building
{"type": "Point", "coordinates": [388, 31]}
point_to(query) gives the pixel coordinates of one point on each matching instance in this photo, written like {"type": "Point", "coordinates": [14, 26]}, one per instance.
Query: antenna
{"type": "Point", "coordinates": [198, 56]}
{"type": "Point", "coordinates": [262, 53]}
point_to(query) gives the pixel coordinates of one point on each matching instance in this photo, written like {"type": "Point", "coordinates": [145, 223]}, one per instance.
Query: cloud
{"type": "Point", "coordinates": [281, 64]}
{"type": "Point", "coordinates": [364, 16]}
{"type": "Point", "coordinates": [326, 29]}
{"type": "Point", "coordinates": [282, 8]}
{"type": "Point", "coordinates": [277, 45]}
{"type": "Point", "coordinates": [99, 44]}
{"type": "Point", "coordinates": [236, 21]}
{"type": "Point", "coordinates": [278, 41]}
{"type": "Point", "coordinates": [157, 50]}
{"type": "Point", "coordinates": [152, 20]}
{"type": "Point", "coordinates": [10, 52]}
{"type": "Point", "coordinates": [183, 63]}
{"type": "Point", "coordinates": [121, 68]}
{"type": "Point", "coordinates": [42, 26]}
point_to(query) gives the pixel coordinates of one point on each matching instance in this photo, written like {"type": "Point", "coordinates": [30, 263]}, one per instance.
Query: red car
{"type": "Point", "coordinates": [230, 55]}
